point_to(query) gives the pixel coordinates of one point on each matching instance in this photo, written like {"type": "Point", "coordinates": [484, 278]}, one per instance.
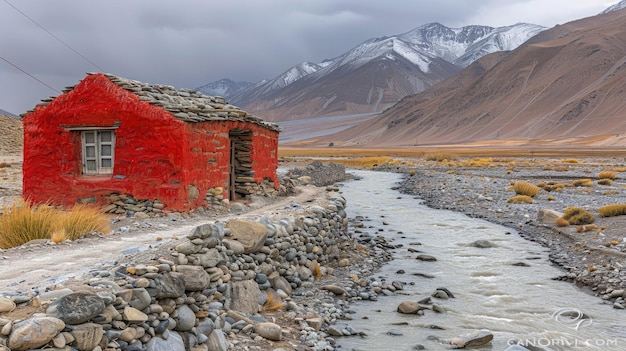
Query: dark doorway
{"type": "Point", "coordinates": [240, 163]}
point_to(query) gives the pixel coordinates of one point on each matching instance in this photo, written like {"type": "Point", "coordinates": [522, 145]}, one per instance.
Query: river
{"type": "Point", "coordinates": [507, 289]}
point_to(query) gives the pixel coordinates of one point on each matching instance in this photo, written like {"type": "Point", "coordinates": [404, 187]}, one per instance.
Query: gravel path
{"type": "Point", "coordinates": [480, 188]}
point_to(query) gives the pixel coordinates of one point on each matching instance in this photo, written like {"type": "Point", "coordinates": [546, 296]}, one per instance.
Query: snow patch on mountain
{"type": "Point", "coordinates": [620, 5]}
{"type": "Point", "coordinates": [223, 87]}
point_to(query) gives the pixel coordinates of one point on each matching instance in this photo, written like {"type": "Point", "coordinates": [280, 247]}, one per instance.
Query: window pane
{"type": "Point", "coordinates": [91, 165]}
{"type": "Point", "coordinates": [106, 163]}
{"type": "Point", "coordinates": [90, 137]}
{"type": "Point", "coordinates": [90, 151]}
{"type": "Point", "coordinates": [105, 150]}
{"type": "Point", "coordinates": [106, 136]}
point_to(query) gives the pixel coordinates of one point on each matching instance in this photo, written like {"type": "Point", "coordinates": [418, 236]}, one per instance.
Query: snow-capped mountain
{"type": "Point", "coordinates": [620, 5]}
{"type": "Point", "coordinates": [224, 87]}
{"type": "Point", "coordinates": [378, 72]}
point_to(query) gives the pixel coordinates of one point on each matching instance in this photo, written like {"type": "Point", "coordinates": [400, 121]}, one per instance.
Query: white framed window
{"type": "Point", "coordinates": [98, 151]}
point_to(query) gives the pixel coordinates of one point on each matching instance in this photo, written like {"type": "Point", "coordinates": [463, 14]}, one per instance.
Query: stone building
{"type": "Point", "coordinates": [110, 139]}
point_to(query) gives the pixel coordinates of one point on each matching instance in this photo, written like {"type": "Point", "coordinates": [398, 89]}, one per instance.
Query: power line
{"type": "Point", "coordinates": [55, 37]}
{"type": "Point", "coordinates": [28, 74]}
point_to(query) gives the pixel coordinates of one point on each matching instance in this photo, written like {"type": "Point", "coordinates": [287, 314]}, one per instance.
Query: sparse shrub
{"type": "Point", "coordinates": [577, 215]}
{"type": "Point", "coordinates": [316, 269]}
{"type": "Point", "coordinates": [5, 165]}
{"type": "Point", "coordinates": [561, 168]}
{"type": "Point", "coordinates": [439, 157]}
{"type": "Point", "coordinates": [22, 223]}
{"type": "Point", "coordinates": [561, 222]}
{"type": "Point", "coordinates": [607, 175]}
{"type": "Point", "coordinates": [520, 199]}
{"type": "Point", "coordinates": [479, 162]}
{"type": "Point", "coordinates": [582, 182]}
{"type": "Point", "coordinates": [411, 173]}
{"type": "Point", "coordinates": [273, 302]}
{"type": "Point", "coordinates": [619, 169]}
{"type": "Point", "coordinates": [550, 198]}
{"type": "Point", "coordinates": [612, 210]}
{"type": "Point", "coordinates": [81, 220]}
{"type": "Point", "coordinates": [605, 182]}
{"type": "Point", "coordinates": [525, 188]}
{"type": "Point", "coordinates": [570, 161]}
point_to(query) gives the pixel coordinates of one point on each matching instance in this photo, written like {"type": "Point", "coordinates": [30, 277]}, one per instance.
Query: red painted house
{"type": "Point", "coordinates": [111, 139]}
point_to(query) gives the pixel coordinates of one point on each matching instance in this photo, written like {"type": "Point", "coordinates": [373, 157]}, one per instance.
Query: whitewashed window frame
{"type": "Point", "coordinates": [98, 151]}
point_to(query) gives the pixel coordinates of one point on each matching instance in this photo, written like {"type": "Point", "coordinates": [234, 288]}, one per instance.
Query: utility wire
{"type": "Point", "coordinates": [28, 74]}
{"type": "Point", "coordinates": [54, 36]}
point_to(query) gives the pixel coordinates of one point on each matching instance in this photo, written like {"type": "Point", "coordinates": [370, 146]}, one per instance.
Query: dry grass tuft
{"type": "Point", "coordinates": [364, 162]}
{"type": "Point", "coordinates": [81, 220]}
{"type": "Point", "coordinates": [582, 182]}
{"type": "Point", "coordinates": [612, 210]}
{"type": "Point", "coordinates": [551, 186]}
{"type": "Point", "coordinates": [520, 199]}
{"type": "Point", "coordinates": [525, 188]}
{"type": "Point", "coordinates": [439, 157]}
{"type": "Point", "coordinates": [571, 160]}
{"type": "Point", "coordinates": [5, 165]}
{"type": "Point", "coordinates": [561, 222]}
{"type": "Point", "coordinates": [619, 169]}
{"type": "Point", "coordinates": [607, 175]}
{"type": "Point", "coordinates": [577, 215]}
{"type": "Point", "coordinates": [412, 173]}
{"type": "Point", "coordinates": [605, 182]}
{"type": "Point", "coordinates": [316, 269]}
{"type": "Point", "coordinates": [273, 302]}
{"type": "Point", "coordinates": [23, 222]}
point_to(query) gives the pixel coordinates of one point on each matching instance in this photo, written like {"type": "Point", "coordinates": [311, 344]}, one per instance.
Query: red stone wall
{"type": "Point", "coordinates": [156, 155]}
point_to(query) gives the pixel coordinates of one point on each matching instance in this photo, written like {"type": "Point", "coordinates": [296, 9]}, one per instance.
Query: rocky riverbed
{"type": "Point", "coordinates": [591, 257]}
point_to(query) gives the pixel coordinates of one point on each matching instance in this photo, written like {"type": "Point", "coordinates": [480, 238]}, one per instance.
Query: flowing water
{"type": "Point", "coordinates": [516, 303]}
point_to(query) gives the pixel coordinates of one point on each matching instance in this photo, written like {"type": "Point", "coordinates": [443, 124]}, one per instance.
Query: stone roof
{"type": "Point", "coordinates": [185, 104]}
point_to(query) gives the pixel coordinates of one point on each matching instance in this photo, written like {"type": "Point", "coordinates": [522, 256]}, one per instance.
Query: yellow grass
{"type": "Point", "coordinates": [316, 269]}
{"type": "Point", "coordinates": [23, 222]}
{"type": "Point", "coordinates": [439, 157]}
{"type": "Point", "coordinates": [577, 215]}
{"type": "Point", "coordinates": [612, 210]}
{"type": "Point", "coordinates": [605, 182]}
{"type": "Point", "coordinates": [561, 222]}
{"type": "Point", "coordinates": [582, 182]}
{"type": "Point", "coordinates": [607, 175]}
{"type": "Point", "coordinates": [571, 160]}
{"type": "Point", "coordinates": [273, 302]}
{"type": "Point", "coordinates": [520, 199]}
{"type": "Point", "coordinates": [364, 162]}
{"type": "Point", "coordinates": [525, 188]}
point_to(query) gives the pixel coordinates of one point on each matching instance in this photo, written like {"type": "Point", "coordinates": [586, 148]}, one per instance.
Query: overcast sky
{"type": "Point", "coordinates": [189, 43]}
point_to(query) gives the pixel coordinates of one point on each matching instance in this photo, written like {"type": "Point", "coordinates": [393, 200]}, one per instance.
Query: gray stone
{"type": "Point", "coordinates": [141, 299]}
{"type": "Point", "coordinates": [477, 338]}
{"type": "Point", "coordinates": [409, 307]}
{"type": "Point", "coordinates": [217, 341]}
{"type": "Point", "coordinates": [206, 327]}
{"type": "Point", "coordinates": [269, 331]}
{"type": "Point", "coordinates": [279, 282]}
{"type": "Point", "coordinates": [234, 245]}
{"type": "Point", "coordinates": [251, 234]}
{"type": "Point", "coordinates": [187, 247]}
{"type": "Point", "coordinates": [133, 315]}
{"type": "Point", "coordinates": [196, 278]}
{"type": "Point", "coordinates": [548, 216]}
{"type": "Point", "coordinates": [186, 319]}
{"type": "Point", "coordinates": [424, 257]}
{"type": "Point", "coordinates": [482, 244]}
{"type": "Point", "coordinates": [169, 285]}
{"type": "Point", "coordinates": [6, 304]}
{"type": "Point", "coordinates": [87, 336]}
{"type": "Point", "coordinates": [211, 258]}
{"type": "Point", "coordinates": [335, 289]}
{"type": "Point", "coordinates": [76, 308]}
{"type": "Point", "coordinates": [245, 296]}
{"type": "Point", "coordinates": [516, 348]}
{"type": "Point", "coordinates": [174, 342]}
{"type": "Point", "coordinates": [34, 332]}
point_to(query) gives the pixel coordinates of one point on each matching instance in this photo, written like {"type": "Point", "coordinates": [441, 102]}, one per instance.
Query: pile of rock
{"type": "Point", "coordinates": [127, 205]}
{"type": "Point", "coordinates": [211, 284]}
{"type": "Point", "coordinates": [319, 174]}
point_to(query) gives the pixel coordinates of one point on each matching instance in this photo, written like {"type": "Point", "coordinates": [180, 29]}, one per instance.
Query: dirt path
{"type": "Point", "coordinates": [45, 264]}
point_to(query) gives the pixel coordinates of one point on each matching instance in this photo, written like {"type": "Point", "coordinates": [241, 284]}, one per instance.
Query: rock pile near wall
{"type": "Point", "coordinates": [210, 284]}
{"type": "Point", "coordinates": [320, 174]}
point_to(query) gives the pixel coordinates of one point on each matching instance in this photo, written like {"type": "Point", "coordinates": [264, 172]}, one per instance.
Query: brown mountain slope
{"type": "Point", "coordinates": [11, 136]}
{"type": "Point", "coordinates": [567, 85]}
{"type": "Point", "coordinates": [370, 88]}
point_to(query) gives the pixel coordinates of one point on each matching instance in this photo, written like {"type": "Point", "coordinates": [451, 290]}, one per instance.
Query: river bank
{"type": "Point", "coordinates": [591, 258]}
